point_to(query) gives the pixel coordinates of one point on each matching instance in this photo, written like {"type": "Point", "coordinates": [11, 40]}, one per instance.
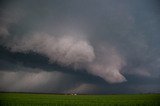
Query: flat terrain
{"type": "Point", "coordinates": [23, 99]}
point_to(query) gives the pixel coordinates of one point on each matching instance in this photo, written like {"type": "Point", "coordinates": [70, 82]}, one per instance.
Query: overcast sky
{"type": "Point", "coordinates": [80, 46]}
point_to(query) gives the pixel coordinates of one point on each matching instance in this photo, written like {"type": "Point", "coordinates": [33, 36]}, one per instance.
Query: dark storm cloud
{"type": "Point", "coordinates": [107, 39]}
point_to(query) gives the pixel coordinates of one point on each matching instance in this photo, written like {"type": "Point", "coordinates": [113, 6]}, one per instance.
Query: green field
{"type": "Point", "coordinates": [22, 99]}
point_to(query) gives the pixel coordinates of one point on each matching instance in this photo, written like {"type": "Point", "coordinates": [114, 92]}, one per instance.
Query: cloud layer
{"type": "Point", "coordinates": [110, 40]}
{"type": "Point", "coordinates": [73, 51]}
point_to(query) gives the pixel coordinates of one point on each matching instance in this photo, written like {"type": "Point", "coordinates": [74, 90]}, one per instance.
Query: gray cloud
{"type": "Point", "coordinates": [34, 80]}
{"type": "Point", "coordinates": [108, 64]}
{"type": "Point", "coordinates": [74, 52]}
{"type": "Point", "coordinates": [66, 50]}
{"type": "Point", "coordinates": [71, 49]}
{"type": "Point", "coordinates": [108, 39]}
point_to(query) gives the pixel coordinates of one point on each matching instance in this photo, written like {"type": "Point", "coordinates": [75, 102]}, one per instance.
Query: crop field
{"type": "Point", "coordinates": [23, 99]}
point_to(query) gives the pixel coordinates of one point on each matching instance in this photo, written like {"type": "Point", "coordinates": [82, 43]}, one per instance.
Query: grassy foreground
{"type": "Point", "coordinates": [22, 99]}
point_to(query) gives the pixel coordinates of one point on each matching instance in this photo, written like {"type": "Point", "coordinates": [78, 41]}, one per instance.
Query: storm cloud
{"type": "Point", "coordinates": [104, 39]}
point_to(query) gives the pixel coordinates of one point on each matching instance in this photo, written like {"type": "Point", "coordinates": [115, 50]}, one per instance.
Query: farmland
{"type": "Point", "coordinates": [24, 99]}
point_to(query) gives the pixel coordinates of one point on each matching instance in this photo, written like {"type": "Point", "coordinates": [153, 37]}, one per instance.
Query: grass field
{"type": "Point", "coordinates": [22, 99]}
